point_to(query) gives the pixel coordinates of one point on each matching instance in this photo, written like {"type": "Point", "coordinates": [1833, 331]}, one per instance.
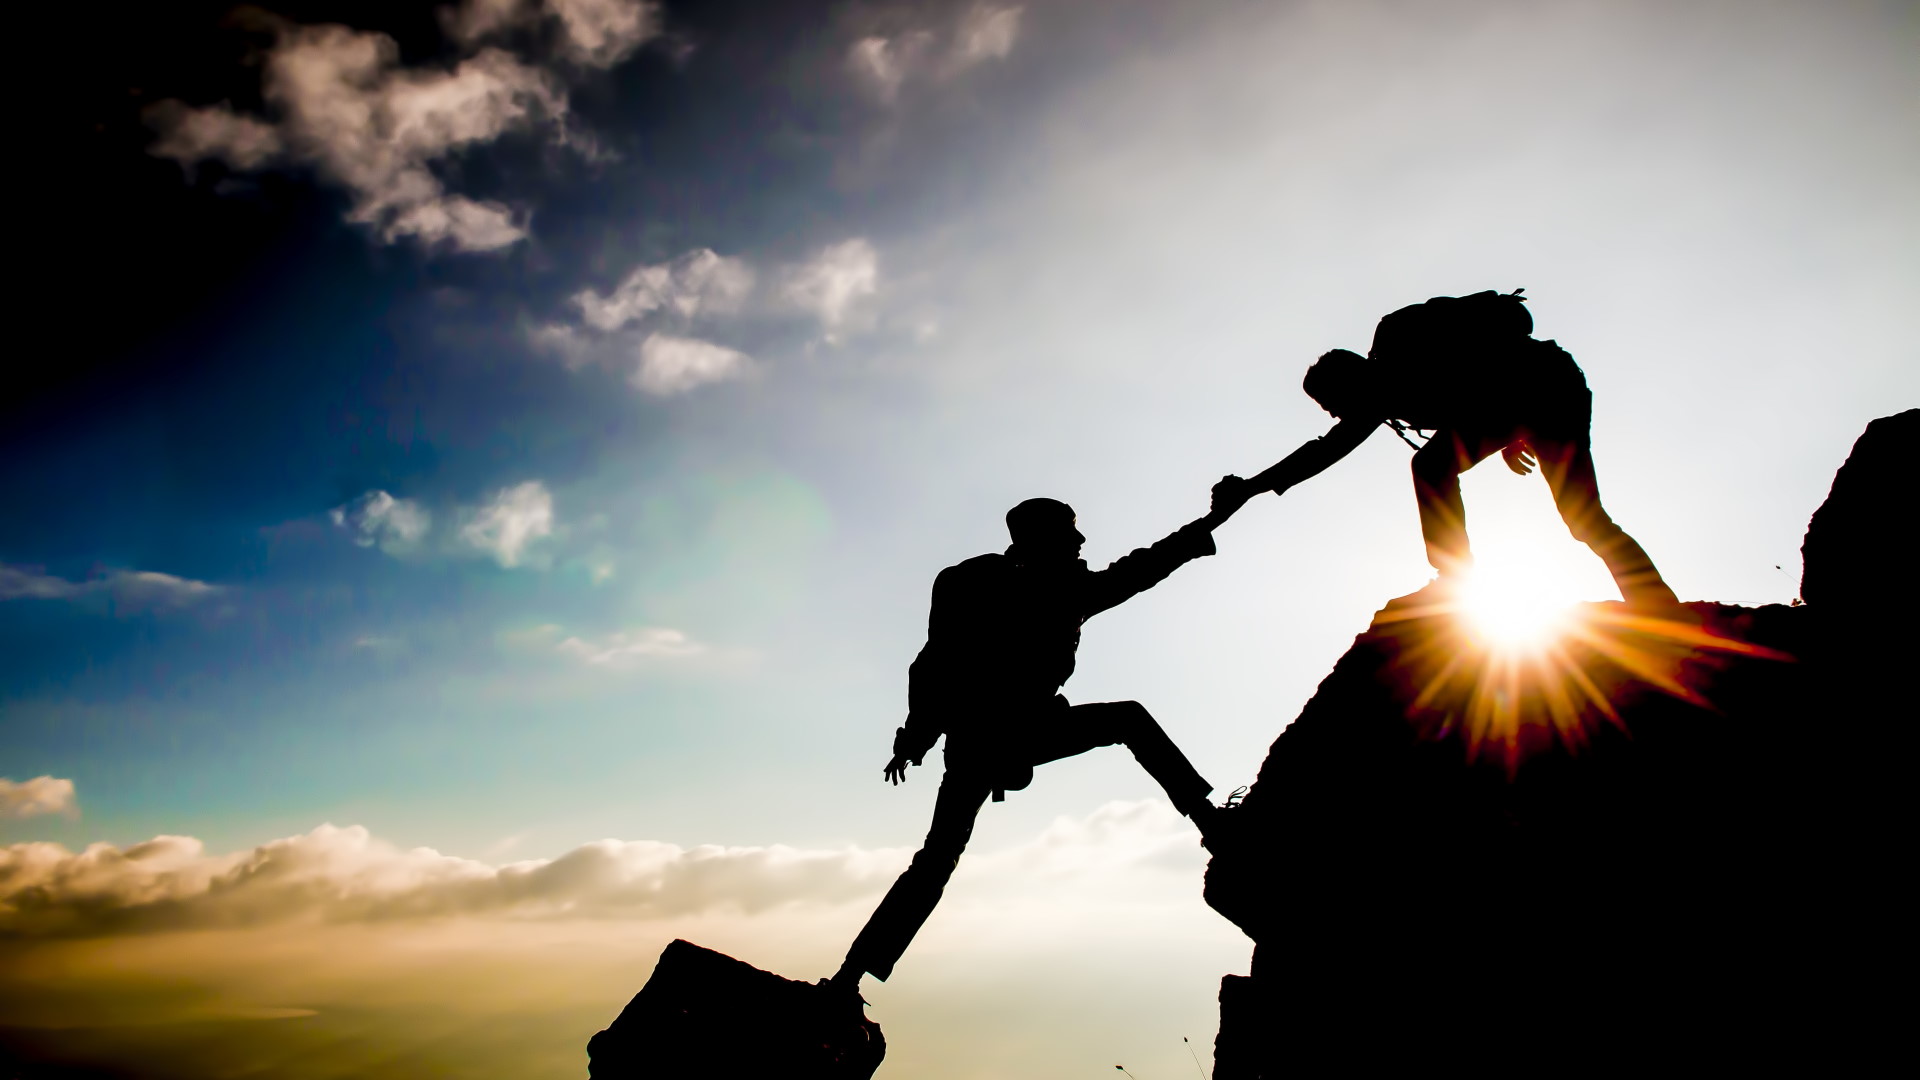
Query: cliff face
{"type": "Point", "coordinates": [1859, 553]}
{"type": "Point", "coordinates": [1662, 839]}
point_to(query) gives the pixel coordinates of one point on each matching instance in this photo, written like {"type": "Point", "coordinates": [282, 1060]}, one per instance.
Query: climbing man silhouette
{"type": "Point", "coordinates": [1001, 638]}
{"type": "Point", "coordinates": [1468, 368]}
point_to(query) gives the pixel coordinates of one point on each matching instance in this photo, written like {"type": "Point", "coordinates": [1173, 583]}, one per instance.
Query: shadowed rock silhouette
{"type": "Point", "coordinates": [1468, 368]}
{"type": "Point", "coordinates": [706, 1014]}
{"type": "Point", "coordinates": [1665, 839]}
{"type": "Point", "coordinates": [1859, 551]}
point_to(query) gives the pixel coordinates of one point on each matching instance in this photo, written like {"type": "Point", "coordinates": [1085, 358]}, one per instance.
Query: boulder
{"type": "Point", "coordinates": [703, 1013]}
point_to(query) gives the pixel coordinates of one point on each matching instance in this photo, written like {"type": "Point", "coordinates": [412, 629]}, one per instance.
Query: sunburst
{"type": "Point", "coordinates": [1511, 665]}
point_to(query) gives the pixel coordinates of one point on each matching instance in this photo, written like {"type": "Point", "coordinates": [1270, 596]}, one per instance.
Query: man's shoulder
{"type": "Point", "coordinates": [992, 564]}
{"type": "Point", "coordinates": [991, 561]}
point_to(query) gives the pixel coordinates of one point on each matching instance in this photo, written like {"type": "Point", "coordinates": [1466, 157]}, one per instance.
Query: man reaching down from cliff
{"type": "Point", "coordinates": [1469, 368]}
{"type": "Point", "coordinates": [1001, 638]}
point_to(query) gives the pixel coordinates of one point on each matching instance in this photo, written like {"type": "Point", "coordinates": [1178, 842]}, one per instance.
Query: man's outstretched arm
{"type": "Point", "coordinates": [1314, 457]}
{"type": "Point", "coordinates": [1143, 568]}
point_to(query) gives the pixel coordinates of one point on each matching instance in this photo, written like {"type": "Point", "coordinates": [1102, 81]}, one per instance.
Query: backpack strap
{"type": "Point", "coordinates": [1401, 430]}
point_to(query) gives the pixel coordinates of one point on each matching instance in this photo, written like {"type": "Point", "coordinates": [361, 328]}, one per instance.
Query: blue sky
{"type": "Point", "coordinates": [545, 426]}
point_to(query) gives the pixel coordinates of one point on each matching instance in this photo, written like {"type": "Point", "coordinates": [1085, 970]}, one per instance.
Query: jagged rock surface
{"type": "Point", "coordinates": [703, 1013]}
{"type": "Point", "coordinates": [1860, 546]}
{"type": "Point", "coordinates": [1688, 852]}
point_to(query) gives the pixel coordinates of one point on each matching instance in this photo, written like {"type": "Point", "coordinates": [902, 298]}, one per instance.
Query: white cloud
{"type": "Point", "coordinates": [674, 365]}
{"type": "Point", "coordinates": [148, 590]}
{"type": "Point", "coordinates": [574, 349]}
{"type": "Point", "coordinates": [872, 59]}
{"type": "Point", "coordinates": [409, 944]}
{"type": "Point", "coordinates": [31, 798]}
{"type": "Point", "coordinates": [985, 33]}
{"type": "Point", "coordinates": [476, 20]}
{"type": "Point", "coordinates": [126, 591]}
{"type": "Point", "coordinates": [601, 567]}
{"type": "Point", "coordinates": [700, 284]}
{"type": "Point", "coordinates": [378, 519]}
{"type": "Point", "coordinates": [594, 33]}
{"type": "Point", "coordinates": [350, 111]}
{"type": "Point", "coordinates": [216, 131]}
{"type": "Point", "coordinates": [837, 279]}
{"type": "Point", "coordinates": [335, 874]}
{"type": "Point", "coordinates": [601, 33]}
{"type": "Point", "coordinates": [624, 650]}
{"type": "Point", "coordinates": [19, 582]}
{"type": "Point", "coordinates": [1118, 834]}
{"type": "Point", "coordinates": [697, 282]}
{"type": "Point", "coordinates": [886, 63]}
{"type": "Point", "coordinates": [511, 520]}
{"type": "Point", "coordinates": [883, 62]}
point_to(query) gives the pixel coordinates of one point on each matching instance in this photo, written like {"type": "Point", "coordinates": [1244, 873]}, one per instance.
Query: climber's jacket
{"type": "Point", "coordinates": [1001, 637]}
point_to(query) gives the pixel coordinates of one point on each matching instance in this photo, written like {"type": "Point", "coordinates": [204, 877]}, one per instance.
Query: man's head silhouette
{"type": "Point", "coordinates": [1044, 530]}
{"type": "Point", "coordinates": [1344, 383]}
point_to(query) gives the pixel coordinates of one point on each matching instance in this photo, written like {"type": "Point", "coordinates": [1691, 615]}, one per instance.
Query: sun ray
{"type": "Point", "coordinates": [1516, 667]}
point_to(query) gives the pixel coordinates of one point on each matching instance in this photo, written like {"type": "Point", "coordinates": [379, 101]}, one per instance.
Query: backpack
{"type": "Point", "coordinates": [1444, 357]}
{"type": "Point", "coordinates": [1447, 326]}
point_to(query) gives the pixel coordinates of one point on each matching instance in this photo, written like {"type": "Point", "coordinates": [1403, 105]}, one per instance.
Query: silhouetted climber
{"type": "Point", "coordinates": [1468, 368]}
{"type": "Point", "coordinates": [1001, 638]}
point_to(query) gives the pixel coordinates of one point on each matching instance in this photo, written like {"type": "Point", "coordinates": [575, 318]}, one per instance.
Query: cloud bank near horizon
{"type": "Point", "coordinates": [401, 960]}
{"type": "Point", "coordinates": [336, 874]}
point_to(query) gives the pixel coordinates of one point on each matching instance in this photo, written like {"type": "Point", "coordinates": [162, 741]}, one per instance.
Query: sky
{"type": "Point", "coordinates": [475, 503]}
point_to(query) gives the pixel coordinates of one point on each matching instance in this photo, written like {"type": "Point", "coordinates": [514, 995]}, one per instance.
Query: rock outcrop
{"type": "Point", "coordinates": [1669, 840]}
{"type": "Point", "coordinates": [1859, 552]}
{"type": "Point", "coordinates": [703, 1013]}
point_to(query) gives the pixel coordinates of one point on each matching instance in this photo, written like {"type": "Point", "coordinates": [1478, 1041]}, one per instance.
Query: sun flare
{"type": "Point", "coordinates": [1515, 608]}
{"type": "Point", "coordinates": [1513, 660]}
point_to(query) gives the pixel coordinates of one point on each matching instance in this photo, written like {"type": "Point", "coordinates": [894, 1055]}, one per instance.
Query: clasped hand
{"type": "Point", "coordinates": [1229, 495]}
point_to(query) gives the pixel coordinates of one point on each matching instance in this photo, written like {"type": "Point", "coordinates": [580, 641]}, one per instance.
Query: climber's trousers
{"type": "Point", "coordinates": [1074, 730]}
